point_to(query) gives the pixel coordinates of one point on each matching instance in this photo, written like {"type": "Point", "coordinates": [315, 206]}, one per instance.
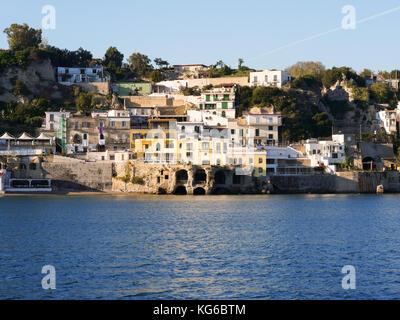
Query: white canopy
{"type": "Point", "coordinates": [43, 137]}
{"type": "Point", "coordinates": [7, 136]}
{"type": "Point", "coordinates": [25, 136]}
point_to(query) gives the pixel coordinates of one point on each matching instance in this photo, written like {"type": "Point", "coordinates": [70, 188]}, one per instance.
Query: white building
{"type": "Point", "coordinates": [285, 161]}
{"type": "Point", "coordinates": [69, 76]}
{"type": "Point", "coordinates": [269, 78]}
{"type": "Point", "coordinates": [53, 119]}
{"type": "Point", "coordinates": [326, 153]}
{"type": "Point", "coordinates": [387, 119]}
{"type": "Point", "coordinates": [263, 127]}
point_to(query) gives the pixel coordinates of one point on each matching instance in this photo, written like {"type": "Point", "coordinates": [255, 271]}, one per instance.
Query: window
{"type": "Point", "coordinates": [218, 147]}
{"type": "Point", "coordinates": [270, 136]}
{"type": "Point", "coordinates": [123, 123]}
{"type": "Point", "coordinates": [257, 132]}
{"type": "Point", "coordinates": [205, 146]}
{"type": "Point", "coordinates": [85, 136]}
{"type": "Point", "coordinates": [255, 79]}
{"type": "Point", "coordinates": [183, 129]}
{"type": "Point", "coordinates": [158, 147]}
{"type": "Point", "coordinates": [76, 125]}
{"type": "Point", "coordinates": [112, 123]}
{"type": "Point", "coordinates": [275, 78]}
{"type": "Point", "coordinates": [260, 160]}
{"type": "Point", "coordinates": [52, 117]}
{"type": "Point", "coordinates": [189, 146]}
{"type": "Point", "coordinates": [266, 78]}
{"type": "Point", "coordinates": [270, 128]}
{"type": "Point", "coordinates": [232, 131]}
{"type": "Point", "coordinates": [51, 126]}
{"type": "Point", "coordinates": [208, 98]}
{"type": "Point", "coordinates": [224, 114]}
{"type": "Point", "coordinates": [226, 96]}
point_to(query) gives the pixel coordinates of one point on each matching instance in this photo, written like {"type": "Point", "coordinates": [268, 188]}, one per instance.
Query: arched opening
{"type": "Point", "coordinates": [219, 191]}
{"type": "Point", "coordinates": [22, 166]}
{"type": "Point", "coordinates": [181, 191]}
{"type": "Point", "coordinates": [77, 139]}
{"type": "Point", "coordinates": [161, 191]}
{"type": "Point", "coordinates": [369, 164]}
{"type": "Point", "coordinates": [219, 177]}
{"type": "Point", "coordinates": [200, 176]}
{"type": "Point", "coordinates": [199, 192]}
{"type": "Point", "coordinates": [181, 176]}
{"type": "Point", "coordinates": [237, 179]}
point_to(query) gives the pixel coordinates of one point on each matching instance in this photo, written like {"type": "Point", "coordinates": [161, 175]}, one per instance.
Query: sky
{"type": "Point", "coordinates": [267, 34]}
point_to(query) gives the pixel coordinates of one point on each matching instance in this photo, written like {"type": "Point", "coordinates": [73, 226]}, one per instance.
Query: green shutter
{"type": "Point", "coordinates": [207, 97]}
{"type": "Point", "coordinates": [224, 105]}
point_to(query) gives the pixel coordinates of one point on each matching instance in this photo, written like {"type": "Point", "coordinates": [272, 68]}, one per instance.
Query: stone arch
{"type": "Point", "coordinates": [369, 163]}
{"type": "Point", "coordinates": [77, 139]}
{"type": "Point", "coordinates": [180, 190]}
{"type": "Point", "coordinates": [199, 191]}
{"type": "Point", "coordinates": [161, 191]}
{"type": "Point", "coordinates": [181, 176]}
{"type": "Point", "coordinates": [200, 177]}
{"type": "Point", "coordinates": [219, 177]}
{"type": "Point", "coordinates": [220, 190]}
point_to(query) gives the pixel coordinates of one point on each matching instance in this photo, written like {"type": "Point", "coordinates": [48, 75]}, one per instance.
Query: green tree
{"type": "Point", "coordinates": [240, 63]}
{"type": "Point", "coordinates": [84, 102]}
{"type": "Point", "coordinates": [140, 64]}
{"type": "Point", "coordinates": [306, 68]}
{"type": "Point", "coordinates": [83, 57]}
{"type": "Point", "coordinates": [161, 63]}
{"type": "Point", "coordinates": [156, 76]}
{"type": "Point", "coordinates": [113, 58]}
{"type": "Point", "coordinates": [22, 37]}
{"type": "Point", "coordinates": [381, 93]}
{"type": "Point", "coordinates": [366, 73]}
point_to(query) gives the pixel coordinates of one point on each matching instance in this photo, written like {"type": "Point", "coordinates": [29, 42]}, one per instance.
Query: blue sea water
{"type": "Point", "coordinates": [206, 247]}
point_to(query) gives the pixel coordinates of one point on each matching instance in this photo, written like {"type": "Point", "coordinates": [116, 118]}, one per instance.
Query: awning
{"type": "Point", "coordinates": [7, 136]}
{"type": "Point", "coordinates": [25, 136]}
{"type": "Point", "coordinates": [43, 137]}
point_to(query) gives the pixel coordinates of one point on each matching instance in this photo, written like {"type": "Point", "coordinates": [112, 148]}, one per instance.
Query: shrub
{"type": "Point", "coordinates": [137, 180]}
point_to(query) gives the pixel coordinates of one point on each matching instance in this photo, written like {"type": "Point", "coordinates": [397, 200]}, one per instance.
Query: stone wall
{"type": "Point", "coordinates": [343, 182]}
{"type": "Point", "coordinates": [189, 179]}
{"type": "Point", "coordinates": [83, 176]}
{"type": "Point", "coordinates": [96, 87]}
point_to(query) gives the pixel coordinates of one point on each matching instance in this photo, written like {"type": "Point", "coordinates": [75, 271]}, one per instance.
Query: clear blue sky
{"type": "Point", "coordinates": [183, 31]}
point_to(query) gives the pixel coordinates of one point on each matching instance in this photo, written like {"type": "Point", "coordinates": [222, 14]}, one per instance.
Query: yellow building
{"type": "Point", "coordinates": [192, 143]}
